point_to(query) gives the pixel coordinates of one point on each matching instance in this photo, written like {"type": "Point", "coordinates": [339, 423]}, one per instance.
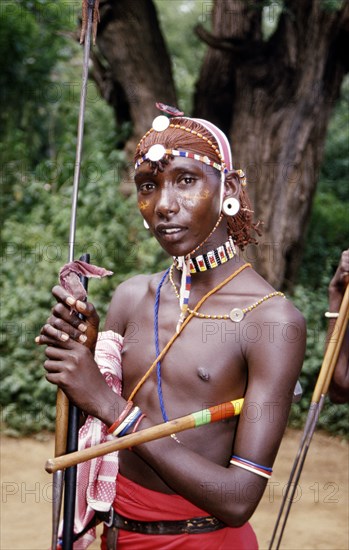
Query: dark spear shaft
{"type": "Point", "coordinates": [72, 446]}
{"type": "Point", "coordinates": [62, 405]}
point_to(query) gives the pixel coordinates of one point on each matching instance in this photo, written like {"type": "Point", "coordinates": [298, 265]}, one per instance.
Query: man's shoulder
{"type": "Point", "coordinates": [272, 305]}
{"type": "Point", "coordinates": [283, 310]}
{"type": "Point", "coordinates": [128, 297]}
{"type": "Point", "coordinates": [139, 285]}
{"type": "Point", "coordinates": [134, 290]}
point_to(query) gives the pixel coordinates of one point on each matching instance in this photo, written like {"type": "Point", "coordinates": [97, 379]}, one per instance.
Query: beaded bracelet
{"type": "Point", "coordinates": [128, 422]}
{"type": "Point", "coordinates": [138, 421]}
{"type": "Point", "coordinates": [250, 466]}
{"type": "Point", "coordinates": [121, 417]}
{"type": "Point", "coordinates": [136, 426]}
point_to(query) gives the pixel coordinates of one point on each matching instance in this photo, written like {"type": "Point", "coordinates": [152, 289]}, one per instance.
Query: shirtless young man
{"type": "Point", "coordinates": [256, 353]}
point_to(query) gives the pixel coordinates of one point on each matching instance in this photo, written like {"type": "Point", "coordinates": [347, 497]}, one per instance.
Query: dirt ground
{"type": "Point", "coordinates": [318, 519]}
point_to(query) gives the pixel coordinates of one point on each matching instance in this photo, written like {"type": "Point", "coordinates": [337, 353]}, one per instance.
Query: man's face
{"type": "Point", "coordinates": [180, 204]}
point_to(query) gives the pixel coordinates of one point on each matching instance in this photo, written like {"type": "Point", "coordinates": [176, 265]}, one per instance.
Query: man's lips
{"type": "Point", "coordinates": [170, 230]}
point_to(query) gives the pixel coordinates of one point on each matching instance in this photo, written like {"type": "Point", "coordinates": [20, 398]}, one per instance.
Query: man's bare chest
{"type": "Point", "coordinates": [203, 366]}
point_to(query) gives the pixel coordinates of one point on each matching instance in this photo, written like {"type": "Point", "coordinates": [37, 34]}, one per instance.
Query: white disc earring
{"type": "Point", "coordinates": [231, 206]}
{"type": "Point", "coordinates": [145, 223]}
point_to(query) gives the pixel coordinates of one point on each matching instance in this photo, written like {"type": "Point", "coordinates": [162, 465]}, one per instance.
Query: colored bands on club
{"type": "Point", "coordinates": [218, 412]}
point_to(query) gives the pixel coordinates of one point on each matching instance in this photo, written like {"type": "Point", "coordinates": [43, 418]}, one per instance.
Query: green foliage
{"type": "Point", "coordinates": [328, 232]}
{"type": "Point", "coordinates": [31, 41]}
{"type": "Point", "coordinates": [335, 168]}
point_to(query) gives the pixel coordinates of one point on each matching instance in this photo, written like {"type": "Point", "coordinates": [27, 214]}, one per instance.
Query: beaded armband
{"type": "Point", "coordinates": [250, 466]}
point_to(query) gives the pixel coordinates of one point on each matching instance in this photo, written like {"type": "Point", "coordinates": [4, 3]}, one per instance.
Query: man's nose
{"type": "Point", "coordinates": [167, 202]}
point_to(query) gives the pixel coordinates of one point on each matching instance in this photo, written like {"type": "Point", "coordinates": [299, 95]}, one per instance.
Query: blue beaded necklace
{"type": "Point", "coordinates": [157, 348]}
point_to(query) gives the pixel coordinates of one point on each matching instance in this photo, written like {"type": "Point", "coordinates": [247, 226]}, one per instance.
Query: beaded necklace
{"type": "Point", "coordinates": [236, 314]}
{"type": "Point", "coordinates": [157, 346]}
{"type": "Point", "coordinates": [184, 263]}
{"type": "Point", "coordinates": [211, 259]}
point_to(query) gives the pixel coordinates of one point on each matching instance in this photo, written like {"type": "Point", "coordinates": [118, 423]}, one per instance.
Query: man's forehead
{"type": "Point", "coordinates": [176, 164]}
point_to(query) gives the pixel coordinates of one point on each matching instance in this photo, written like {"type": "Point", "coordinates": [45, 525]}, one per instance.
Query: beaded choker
{"type": "Point", "coordinates": [211, 259]}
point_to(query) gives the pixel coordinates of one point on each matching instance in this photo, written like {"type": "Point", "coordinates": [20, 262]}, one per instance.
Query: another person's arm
{"type": "Point", "coordinates": [339, 387]}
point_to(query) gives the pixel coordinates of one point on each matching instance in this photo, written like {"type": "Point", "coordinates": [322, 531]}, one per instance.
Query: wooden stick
{"type": "Point", "coordinates": [194, 420]}
{"type": "Point", "coordinates": [318, 398]}
{"type": "Point", "coordinates": [333, 349]}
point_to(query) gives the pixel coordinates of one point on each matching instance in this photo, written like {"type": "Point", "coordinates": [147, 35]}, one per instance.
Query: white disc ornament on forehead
{"type": "Point", "coordinates": [156, 152]}
{"type": "Point", "coordinates": [160, 123]}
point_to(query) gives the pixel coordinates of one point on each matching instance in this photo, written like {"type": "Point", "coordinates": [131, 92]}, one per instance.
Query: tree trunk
{"type": "Point", "coordinates": [274, 100]}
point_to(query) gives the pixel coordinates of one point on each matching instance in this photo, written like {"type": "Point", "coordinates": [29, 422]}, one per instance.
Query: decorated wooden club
{"type": "Point", "coordinates": [193, 420]}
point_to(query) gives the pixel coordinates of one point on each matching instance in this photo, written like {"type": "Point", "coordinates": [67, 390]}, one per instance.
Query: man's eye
{"type": "Point", "coordinates": [146, 187]}
{"type": "Point", "coordinates": [188, 180]}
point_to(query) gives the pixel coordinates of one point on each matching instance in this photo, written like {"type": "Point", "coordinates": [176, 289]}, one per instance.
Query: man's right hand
{"type": "Point", "coordinates": [66, 322]}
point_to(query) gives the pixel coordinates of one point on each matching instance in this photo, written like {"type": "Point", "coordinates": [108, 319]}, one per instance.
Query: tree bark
{"type": "Point", "coordinates": [274, 99]}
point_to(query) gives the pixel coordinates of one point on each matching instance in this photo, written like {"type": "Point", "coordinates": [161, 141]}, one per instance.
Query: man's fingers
{"type": "Point", "coordinates": [67, 303]}
{"type": "Point", "coordinates": [50, 335]}
{"type": "Point", "coordinates": [88, 311]}
{"type": "Point", "coordinates": [75, 328]}
{"type": "Point", "coordinates": [53, 372]}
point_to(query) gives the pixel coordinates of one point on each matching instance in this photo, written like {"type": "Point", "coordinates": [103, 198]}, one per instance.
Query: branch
{"type": "Point", "coordinates": [244, 49]}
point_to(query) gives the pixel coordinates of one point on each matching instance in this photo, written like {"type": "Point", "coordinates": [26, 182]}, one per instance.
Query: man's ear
{"type": "Point", "coordinates": [232, 185]}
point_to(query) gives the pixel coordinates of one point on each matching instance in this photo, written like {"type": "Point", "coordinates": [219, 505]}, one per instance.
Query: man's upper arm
{"type": "Point", "coordinates": [274, 361]}
{"type": "Point", "coordinates": [120, 306]}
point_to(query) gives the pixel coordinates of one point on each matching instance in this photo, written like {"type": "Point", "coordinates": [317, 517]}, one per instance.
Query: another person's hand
{"type": "Point", "coordinates": [339, 282]}
{"type": "Point", "coordinates": [339, 386]}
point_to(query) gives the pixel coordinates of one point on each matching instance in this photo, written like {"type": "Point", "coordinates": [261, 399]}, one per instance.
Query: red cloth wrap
{"type": "Point", "coordinates": [136, 502]}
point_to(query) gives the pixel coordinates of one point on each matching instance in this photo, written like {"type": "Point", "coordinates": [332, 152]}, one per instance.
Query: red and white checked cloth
{"type": "Point", "coordinates": [96, 478]}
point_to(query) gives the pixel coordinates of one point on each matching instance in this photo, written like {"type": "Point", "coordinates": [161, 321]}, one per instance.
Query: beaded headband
{"type": "Point", "coordinates": [158, 151]}
{"type": "Point", "coordinates": [161, 123]}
